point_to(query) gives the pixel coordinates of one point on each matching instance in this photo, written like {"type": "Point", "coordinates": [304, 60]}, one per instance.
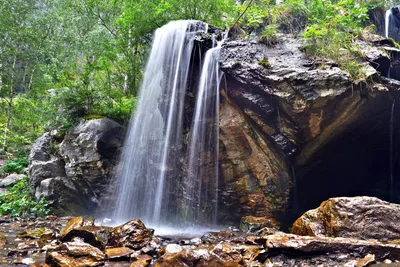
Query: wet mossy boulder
{"type": "Point", "coordinates": [355, 217]}
{"type": "Point", "coordinates": [73, 171]}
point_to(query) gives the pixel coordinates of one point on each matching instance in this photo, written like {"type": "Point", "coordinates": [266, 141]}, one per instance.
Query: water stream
{"type": "Point", "coordinates": [152, 182]}
{"type": "Point", "coordinates": [150, 161]}
{"type": "Point", "coordinates": [387, 22]}
{"type": "Point", "coordinates": [201, 186]}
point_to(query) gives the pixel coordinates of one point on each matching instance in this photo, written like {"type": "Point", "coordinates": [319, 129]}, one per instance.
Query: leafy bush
{"type": "Point", "coordinates": [19, 201]}
{"type": "Point", "coordinates": [268, 36]}
{"type": "Point", "coordinates": [16, 165]}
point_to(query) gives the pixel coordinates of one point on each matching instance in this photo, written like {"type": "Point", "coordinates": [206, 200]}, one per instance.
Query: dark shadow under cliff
{"type": "Point", "coordinates": [360, 161]}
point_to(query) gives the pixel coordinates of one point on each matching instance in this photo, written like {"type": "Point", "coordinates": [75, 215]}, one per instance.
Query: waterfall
{"type": "Point", "coordinates": [387, 22]}
{"type": "Point", "coordinates": [201, 186]}
{"type": "Point", "coordinates": [150, 163]}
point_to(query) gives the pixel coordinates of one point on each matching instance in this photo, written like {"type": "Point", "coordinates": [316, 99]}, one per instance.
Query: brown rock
{"type": "Point", "coordinates": [358, 217]}
{"type": "Point", "coordinates": [97, 236]}
{"type": "Point", "coordinates": [57, 259]}
{"type": "Point", "coordinates": [142, 261]}
{"type": "Point", "coordinates": [77, 254]}
{"type": "Point", "coordinates": [37, 233]}
{"type": "Point", "coordinates": [369, 258]}
{"type": "Point", "coordinates": [3, 240]}
{"type": "Point", "coordinates": [252, 224]}
{"type": "Point", "coordinates": [289, 243]}
{"type": "Point", "coordinates": [72, 224]}
{"type": "Point", "coordinates": [202, 256]}
{"type": "Point", "coordinates": [132, 234]}
{"type": "Point", "coordinates": [118, 253]}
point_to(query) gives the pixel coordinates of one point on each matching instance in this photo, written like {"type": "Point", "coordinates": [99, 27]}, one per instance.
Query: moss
{"type": "Point", "coordinates": [394, 43]}
{"type": "Point", "coordinates": [269, 40]}
{"type": "Point", "coordinates": [237, 64]}
{"type": "Point", "coordinates": [93, 117]}
{"type": "Point", "coordinates": [264, 63]}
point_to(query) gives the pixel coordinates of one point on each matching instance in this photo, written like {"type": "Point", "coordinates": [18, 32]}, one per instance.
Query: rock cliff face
{"type": "Point", "coordinates": [73, 172]}
{"type": "Point", "coordinates": [295, 131]}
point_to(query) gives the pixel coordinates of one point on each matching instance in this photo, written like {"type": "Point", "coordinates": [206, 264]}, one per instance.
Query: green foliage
{"type": "Point", "coordinates": [265, 63]}
{"type": "Point", "coordinates": [19, 201]}
{"type": "Point", "coordinates": [268, 36]}
{"type": "Point", "coordinates": [16, 165]}
{"type": "Point", "coordinates": [333, 30]}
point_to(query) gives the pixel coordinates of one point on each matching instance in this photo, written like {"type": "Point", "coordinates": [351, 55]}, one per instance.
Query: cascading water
{"type": "Point", "coordinates": [201, 185]}
{"type": "Point", "coordinates": [150, 162]}
{"type": "Point", "coordinates": [152, 167]}
{"type": "Point", "coordinates": [387, 22]}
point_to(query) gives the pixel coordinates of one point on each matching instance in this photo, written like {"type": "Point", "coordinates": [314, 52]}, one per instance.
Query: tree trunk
{"type": "Point", "coordinates": [9, 106]}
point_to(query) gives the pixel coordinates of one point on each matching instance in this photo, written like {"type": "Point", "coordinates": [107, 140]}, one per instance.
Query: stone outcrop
{"type": "Point", "coordinates": [11, 179]}
{"type": "Point", "coordinates": [287, 120]}
{"type": "Point", "coordinates": [357, 217]}
{"type": "Point", "coordinates": [288, 243]}
{"type": "Point", "coordinates": [73, 172]}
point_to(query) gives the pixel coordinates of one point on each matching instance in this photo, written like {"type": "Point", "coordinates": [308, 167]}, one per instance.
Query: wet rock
{"type": "Point", "coordinates": [307, 245]}
{"type": "Point", "coordinates": [40, 148]}
{"type": "Point", "coordinates": [132, 234]}
{"type": "Point", "coordinates": [369, 258]}
{"type": "Point", "coordinates": [24, 261]}
{"type": "Point", "coordinates": [37, 233]}
{"type": "Point", "coordinates": [11, 179]}
{"type": "Point", "coordinates": [90, 149]}
{"type": "Point", "coordinates": [142, 261]}
{"type": "Point", "coordinates": [357, 217]}
{"type": "Point", "coordinates": [97, 236]}
{"type": "Point", "coordinates": [251, 224]}
{"type": "Point", "coordinates": [3, 240]}
{"type": "Point", "coordinates": [121, 253]}
{"type": "Point", "coordinates": [202, 256]}
{"type": "Point", "coordinates": [173, 248]}
{"type": "Point", "coordinates": [214, 237]}
{"type": "Point", "coordinates": [75, 253]}
{"type": "Point", "coordinates": [33, 244]}
{"type": "Point", "coordinates": [73, 173]}
{"type": "Point", "coordinates": [71, 225]}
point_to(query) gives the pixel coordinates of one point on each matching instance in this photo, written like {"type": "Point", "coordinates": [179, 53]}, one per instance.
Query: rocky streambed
{"type": "Point", "coordinates": [359, 231]}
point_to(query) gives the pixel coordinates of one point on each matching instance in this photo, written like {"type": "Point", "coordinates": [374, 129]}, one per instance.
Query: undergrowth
{"type": "Point", "coordinates": [330, 28]}
{"type": "Point", "coordinates": [20, 201]}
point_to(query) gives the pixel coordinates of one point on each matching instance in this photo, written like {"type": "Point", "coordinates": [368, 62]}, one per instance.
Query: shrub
{"type": "Point", "coordinates": [19, 201]}
{"type": "Point", "coordinates": [16, 165]}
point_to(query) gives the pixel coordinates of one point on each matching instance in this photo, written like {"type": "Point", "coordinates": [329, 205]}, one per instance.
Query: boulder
{"type": "Point", "coordinates": [252, 224]}
{"type": "Point", "coordinates": [37, 233]}
{"type": "Point", "coordinates": [313, 245]}
{"type": "Point", "coordinates": [71, 225]}
{"type": "Point", "coordinates": [90, 149]}
{"type": "Point", "coordinates": [77, 253]}
{"type": "Point", "coordinates": [132, 234]}
{"type": "Point", "coordinates": [355, 217]}
{"type": "Point", "coordinates": [142, 261]}
{"type": "Point", "coordinates": [97, 236]}
{"type": "Point", "coordinates": [72, 172]}
{"type": "Point", "coordinates": [120, 253]}
{"type": "Point", "coordinates": [218, 255]}
{"type": "Point", "coordinates": [11, 179]}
